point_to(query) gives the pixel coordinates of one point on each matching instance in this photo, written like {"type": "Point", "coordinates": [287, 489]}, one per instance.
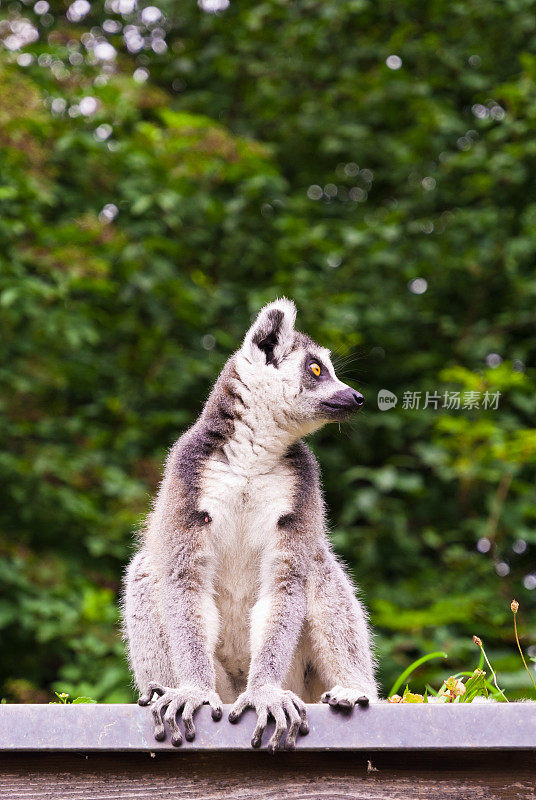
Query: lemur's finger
{"type": "Point", "coordinates": [363, 701]}
{"type": "Point", "coordinates": [294, 726]}
{"type": "Point", "coordinates": [298, 702]}
{"type": "Point", "coordinates": [152, 688]}
{"type": "Point", "coordinates": [280, 727]}
{"type": "Point", "coordinates": [304, 724]}
{"type": "Point", "coordinates": [157, 710]}
{"type": "Point", "coordinates": [239, 707]}
{"type": "Point", "coordinates": [171, 718]}
{"type": "Point", "coordinates": [302, 708]}
{"type": "Point", "coordinates": [262, 722]}
{"type": "Point", "coordinates": [188, 719]}
{"type": "Point", "coordinates": [216, 706]}
{"type": "Point", "coordinates": [325, 697]}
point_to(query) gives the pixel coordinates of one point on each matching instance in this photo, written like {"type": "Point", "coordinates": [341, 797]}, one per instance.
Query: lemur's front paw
{"type": "Point", "coordinates": [278, 703]}
{"type": "Point", "coordinates": [187, 698]}
{"type": "Point", "coordinates": [340, 697]}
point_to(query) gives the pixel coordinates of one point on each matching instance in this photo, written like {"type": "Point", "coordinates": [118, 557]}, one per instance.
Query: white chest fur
{"type": "Point", "coordinates": [244, 510]}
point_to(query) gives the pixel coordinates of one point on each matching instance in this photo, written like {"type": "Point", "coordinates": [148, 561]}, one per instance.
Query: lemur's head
{"type": "Point", "coordinates": [291, 374]}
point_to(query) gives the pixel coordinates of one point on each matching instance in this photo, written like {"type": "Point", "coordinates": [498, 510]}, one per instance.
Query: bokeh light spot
{"type": "Point", "coordinates": [109, 212]}
{"type": "Point", "coordinates": [493, 360]}
{"type": "Point", "coordinates": [208, 341]}
{"type": "Point", "coordinates": [418, 286]}
{"type": "Point", "coordinates": [140, 75]}
{"type": "Point", "coordinates": [78, 10]}
{"type": "Point", "coordinates": [88, 106]}
{"type": "Point", "coordinates": [502, 569]}
{"type": "Point", "coordinates": [212, 6]}
{"type": "Point", "coordinates": [104, 51]}
{"type": "Point", "coordinates": [314, 192]}
{"type": "Point", "coordinates": [393, 62]}
{"type": "Point", "coordinates": [150, 15]}
{"type": "Point", "coordinates": [519, 546]}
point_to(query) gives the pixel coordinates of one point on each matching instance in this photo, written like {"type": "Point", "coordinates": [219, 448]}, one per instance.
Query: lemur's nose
{"type": "Point", "coordinates": [345, 400]}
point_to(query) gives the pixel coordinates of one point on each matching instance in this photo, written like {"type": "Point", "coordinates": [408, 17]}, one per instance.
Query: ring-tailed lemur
{"type": "Point", "coordinates": [236, 595]}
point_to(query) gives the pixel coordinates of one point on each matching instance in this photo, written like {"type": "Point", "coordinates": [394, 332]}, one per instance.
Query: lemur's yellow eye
{"type": "Point", "coordinates": [315, 368]}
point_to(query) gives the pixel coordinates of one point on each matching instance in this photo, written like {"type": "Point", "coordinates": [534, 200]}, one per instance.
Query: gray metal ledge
{"type": "Point", "coordinates": [494, 726]}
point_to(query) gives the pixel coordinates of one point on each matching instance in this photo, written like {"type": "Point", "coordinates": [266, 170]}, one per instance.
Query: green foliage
{"type": "Point", "coordinates": [453, 689]}
{"type": "Point", "coordinates": [64, 699]}
{"type": "Point", "coordinates": [475, 686]}
{"type": "Point", "coordinates": [412, 667]}
{"type": "Point", "coordinates": [270, 150]}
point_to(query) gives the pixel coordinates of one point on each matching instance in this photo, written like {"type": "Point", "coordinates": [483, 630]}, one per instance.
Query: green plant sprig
{"type": "Point", "coordinates": [412, 667]}
{"type": "Point", "coordinates": [514, 605]}
{"type": "Point", "coordinates": [65, 699]}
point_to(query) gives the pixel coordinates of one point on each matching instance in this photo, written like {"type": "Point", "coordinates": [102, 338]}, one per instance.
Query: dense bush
{"type": "Point", "coordinates": [375, 162]}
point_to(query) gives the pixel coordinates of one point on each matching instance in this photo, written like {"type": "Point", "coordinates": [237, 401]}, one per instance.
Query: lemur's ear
{"type": "Point", "coordinates": [271, 336]}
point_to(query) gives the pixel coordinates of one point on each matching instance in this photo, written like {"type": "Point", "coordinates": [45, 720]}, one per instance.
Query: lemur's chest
{"type": "Point", "coordinates": [242, 536]}
{"type": "Point", "coordinates": [244, 508]}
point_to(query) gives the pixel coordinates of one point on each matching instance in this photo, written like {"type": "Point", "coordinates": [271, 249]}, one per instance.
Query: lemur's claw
{"type": "Point", "coordinates": [182, 702]}
{"type": "Point", "coordinates": [342, 698]}
{"type": "Point", "coordinates": [152, 688]}
{"type": "Point", "coordinates": [285, 707]}
{"type": "Point", "coordinates": [289, 745]}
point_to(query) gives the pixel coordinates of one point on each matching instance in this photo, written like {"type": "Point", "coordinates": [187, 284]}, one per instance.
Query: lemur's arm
{"type": "Point", "coordinates": [276, 622]}
{"type": "Point", "coordinates": [177, 544]}
{"type": "Point", "coordinates": [278, 616]}
{"type": "Point", "coordinates": [340, 638]}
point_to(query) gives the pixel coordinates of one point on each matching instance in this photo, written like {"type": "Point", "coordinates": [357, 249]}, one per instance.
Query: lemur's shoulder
{"type": "Point", "coordinates": [308, 513]}
{"type": "Point", "coordinates": [213, 427]}
{"type": "Point", "coordinates": [302, 459]}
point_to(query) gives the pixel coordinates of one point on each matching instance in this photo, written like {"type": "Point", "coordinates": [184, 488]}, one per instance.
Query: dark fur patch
{"type": "Point", "coordinates": [267, 335]}
{"type": "Point", "coordinates": [305, 468]}
{"type": "Point", "coordinates": [286, 521]}
{"type": "Point", "coordinates": [214, 427]}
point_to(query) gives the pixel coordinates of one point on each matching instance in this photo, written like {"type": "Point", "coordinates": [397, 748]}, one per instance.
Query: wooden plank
{"type": "Point", "coordinates": [190, 775]}
{"type": "Point", "coordinates": [379, 727]}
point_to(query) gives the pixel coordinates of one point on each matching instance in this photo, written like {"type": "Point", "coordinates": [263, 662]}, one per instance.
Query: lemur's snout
{"type": "Point", "coordinates": [346, 401]}
{"type": "Point", "coordinates": [348, 398]}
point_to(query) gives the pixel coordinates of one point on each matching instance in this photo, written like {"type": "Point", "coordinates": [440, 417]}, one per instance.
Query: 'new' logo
{"type": "Point", "coordinates": [386, 400]}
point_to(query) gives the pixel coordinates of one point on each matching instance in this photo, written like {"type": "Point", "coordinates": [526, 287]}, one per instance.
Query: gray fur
{"type": "Point", "coordinates": [236, 594]}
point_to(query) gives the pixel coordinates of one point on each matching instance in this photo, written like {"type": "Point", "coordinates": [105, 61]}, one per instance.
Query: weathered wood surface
{"type": "Point", "coordinates": [380, 727]}
{"type": "Point", "coordinates": [187, 775]}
